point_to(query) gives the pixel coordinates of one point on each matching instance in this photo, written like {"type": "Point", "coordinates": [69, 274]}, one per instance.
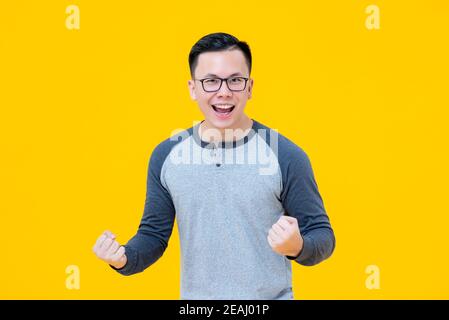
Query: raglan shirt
{"type": "Point", "coordinates": [226, 196]}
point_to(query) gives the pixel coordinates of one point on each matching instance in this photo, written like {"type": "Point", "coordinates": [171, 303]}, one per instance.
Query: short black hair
{"type": "Point", "coordinates": [218, 42]}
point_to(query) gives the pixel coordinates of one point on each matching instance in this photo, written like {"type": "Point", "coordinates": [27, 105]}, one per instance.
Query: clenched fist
{"type": "Point", "coordinates": [109, 250]}
{"type": "Point", "coordinates": [285, 238]}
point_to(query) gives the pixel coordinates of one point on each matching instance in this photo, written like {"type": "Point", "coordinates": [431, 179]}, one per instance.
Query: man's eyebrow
{"type": "Point", "coordinates": [215, 76]}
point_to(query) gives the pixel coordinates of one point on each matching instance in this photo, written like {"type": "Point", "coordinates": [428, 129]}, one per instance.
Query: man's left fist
{"type": "Point", "coordinates": [285, 238]}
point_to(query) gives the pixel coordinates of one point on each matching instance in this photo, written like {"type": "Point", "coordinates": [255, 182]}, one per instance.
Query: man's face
{"type": "Point", "coordinates": [221, 64]}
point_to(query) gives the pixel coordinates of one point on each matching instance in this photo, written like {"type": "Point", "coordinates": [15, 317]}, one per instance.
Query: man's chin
{"type": "Point", "coordinates": [222, 124]}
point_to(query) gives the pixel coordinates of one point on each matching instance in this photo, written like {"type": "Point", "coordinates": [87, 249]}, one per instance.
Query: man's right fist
{"type": "Point", "coordinates": [109, 250]}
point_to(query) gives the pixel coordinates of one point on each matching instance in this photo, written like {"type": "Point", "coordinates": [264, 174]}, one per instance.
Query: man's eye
{"type": "Point", "coordinates": [236, 80]}
{"type": "Point", "coordinates": [211, 81]}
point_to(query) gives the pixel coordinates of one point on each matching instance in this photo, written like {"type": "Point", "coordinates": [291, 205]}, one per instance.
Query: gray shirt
{"type": "Point", "coordinates": [226, 196]}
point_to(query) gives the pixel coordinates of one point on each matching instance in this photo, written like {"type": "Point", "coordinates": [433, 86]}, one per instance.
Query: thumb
{"type": "Point", "coordinates": [291, 220]}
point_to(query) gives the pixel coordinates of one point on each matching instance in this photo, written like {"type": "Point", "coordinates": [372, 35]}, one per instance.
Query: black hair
{"type": "Point", "coordinates": [218, 42]}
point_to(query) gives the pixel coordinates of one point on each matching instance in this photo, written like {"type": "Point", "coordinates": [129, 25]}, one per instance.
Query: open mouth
{"type": "Point", "coordinates": [223, 110]}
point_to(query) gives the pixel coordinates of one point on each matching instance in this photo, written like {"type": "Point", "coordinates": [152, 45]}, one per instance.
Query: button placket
{"type": "Point", "coordinates": [216, 155]}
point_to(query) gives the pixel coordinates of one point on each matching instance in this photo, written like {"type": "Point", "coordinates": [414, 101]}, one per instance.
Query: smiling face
{"type": "Point", "coordinates": [223, 109]}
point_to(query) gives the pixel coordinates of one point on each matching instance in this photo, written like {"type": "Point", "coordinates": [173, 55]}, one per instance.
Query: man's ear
{"type": "Point", "coordinates": [191, 84]}
{"type": "Point", "coordinates": [250, 88]}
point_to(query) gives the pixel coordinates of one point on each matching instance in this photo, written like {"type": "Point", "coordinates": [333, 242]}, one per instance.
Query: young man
{"type": "Point", "coordinates": [245, 197]}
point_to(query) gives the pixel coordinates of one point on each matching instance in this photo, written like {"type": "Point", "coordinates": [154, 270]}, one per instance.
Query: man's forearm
{"type": "Point", "coordinates": [142, 250]}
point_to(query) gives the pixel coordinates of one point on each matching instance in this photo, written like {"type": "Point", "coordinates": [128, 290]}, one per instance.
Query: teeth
{"type": "Point", "coordinates": [223, 106]}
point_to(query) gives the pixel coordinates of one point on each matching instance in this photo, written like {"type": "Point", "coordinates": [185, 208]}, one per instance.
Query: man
{"type": "Point", "coordinates": [245, 197]}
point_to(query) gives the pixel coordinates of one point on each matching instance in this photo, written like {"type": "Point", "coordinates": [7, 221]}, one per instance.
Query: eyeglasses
{"type": "Point", "coordinates": [214, 84]}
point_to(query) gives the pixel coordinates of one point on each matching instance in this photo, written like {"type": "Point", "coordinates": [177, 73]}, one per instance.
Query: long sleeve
{"type": "Point", "coordinates": [156, 225]}
{"type": "Point", "coordinates": [301, 199]}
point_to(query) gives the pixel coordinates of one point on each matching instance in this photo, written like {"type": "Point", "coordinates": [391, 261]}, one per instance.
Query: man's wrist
{"type": "Point", "coordinates": [120, 264]}
{"type": "Point", "coordinates": [296, 254]}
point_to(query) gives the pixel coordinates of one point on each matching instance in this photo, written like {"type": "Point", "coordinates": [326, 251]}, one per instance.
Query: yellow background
{"type": "Point", "coordinates": [81, 111]}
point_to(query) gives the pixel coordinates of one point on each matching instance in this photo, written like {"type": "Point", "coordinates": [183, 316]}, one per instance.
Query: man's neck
{"type": "Point", "coordinates": [210, 133]}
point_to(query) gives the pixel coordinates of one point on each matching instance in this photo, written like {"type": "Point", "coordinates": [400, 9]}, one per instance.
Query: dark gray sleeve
{"type": "Point", "coordinates": [156, 225]}
{"type": "Point", "coordinates": [301, 199]}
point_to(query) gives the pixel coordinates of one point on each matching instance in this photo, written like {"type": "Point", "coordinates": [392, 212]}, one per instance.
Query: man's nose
{"type": "Point", "coordinates": [224, 90]}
